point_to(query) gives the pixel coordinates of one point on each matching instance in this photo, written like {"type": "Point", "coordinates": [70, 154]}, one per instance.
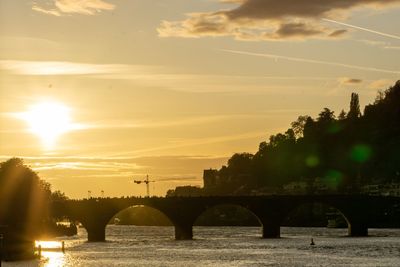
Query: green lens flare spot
{"type": "Point", "coordinates": [333, 178]}
{"type": "Point", "coordinates": [312, 161]}
{"type": "Point", "coordinates": [361, 153]}
{"type": "Point", "coordinates": [334, 128]}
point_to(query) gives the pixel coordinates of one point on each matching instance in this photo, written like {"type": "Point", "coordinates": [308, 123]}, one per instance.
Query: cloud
{"type": "Point", "coordinates": [346, 80]}
{"type": "Point", "coordinates": [261, 9]}
{"type": "Point", "coordinates": [269, 19]}
{"type": "Point", "coordinates": [337, 33]}
{"type": "Point", "coordinates": [64, 7]}
{"type": "Point", "coordinates": [294, 30]}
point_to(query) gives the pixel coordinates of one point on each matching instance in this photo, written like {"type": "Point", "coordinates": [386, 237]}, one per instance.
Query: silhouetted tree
{"type": "Point", "coordinates": [24, 200]}
{"type": "Point", "coordinates": [24, 196]}
{"type": "Point", "coordinates": [342, 115]}
{"type": "Point", "coordinates": [240, 170]}
{"type": "Point", "coordinates": [298, 125]}
{"type": "Point", "coordinates": [309, 128]}
{"type": "Point", "coordinates": [354, 111]}
{"type": "Point", "coordinates": [326, 116]}
{"type": "Point", "coordinates": [58, 196]}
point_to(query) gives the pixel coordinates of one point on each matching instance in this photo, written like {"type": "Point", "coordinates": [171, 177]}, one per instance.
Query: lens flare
{"type": "Point", "coordinates": [333, 178]}
{"type": "Point", "coordinates": [361, 153]}
{"type": "Point", "coordinates": [312, 161]}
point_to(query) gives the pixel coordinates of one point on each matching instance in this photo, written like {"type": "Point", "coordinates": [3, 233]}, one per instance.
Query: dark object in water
{"type": "Point", "coordinates": [312, 242]}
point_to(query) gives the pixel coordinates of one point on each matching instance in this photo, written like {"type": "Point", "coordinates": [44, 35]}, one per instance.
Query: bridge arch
{"type": "Point", "coordinates": [227, 214]}
{"type": "Point", "coordinates": [137, 215]}
{"type": "Point", "coordinates": [141, 215]}
{"type": "Point", "coordinates": [315, 213]}
{"type": "Point", "coordinates": [352, 218]}
{"type": "Point", "coordinates": [95, 214]}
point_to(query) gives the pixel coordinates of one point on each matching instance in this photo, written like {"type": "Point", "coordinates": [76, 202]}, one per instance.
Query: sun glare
{"type": "Point", "coordinates": [48, 120]}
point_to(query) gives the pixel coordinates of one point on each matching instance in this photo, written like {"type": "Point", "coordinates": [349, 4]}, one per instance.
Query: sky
{"type": "Point", "coordinates": [97, 93]}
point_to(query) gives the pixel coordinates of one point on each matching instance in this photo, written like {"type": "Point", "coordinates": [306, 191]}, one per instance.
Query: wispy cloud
{"type": "Point", "coordinates": [312, 61]}
{"type": "Point", "coordinates": [161, 124]}
{"type": "Point", "coordinates": [384, 45]}
{"type": "Point", "coordinates": [363, 29]}
{"type": "Point", "coordinates": [50, 11]}
{"type": "Point", "coordinates": [113, 166]}
{"type": "Point", "coordinates": [68, 68]}
{"type": "Point", "coordinates": [380, 84]}
{"type": "Point", "coordinates": [165, 123]}
{"type": "Point", "coordinates": [100, 158]}
{"type": "Point", "coordinates": [185, 121]}
{"type": "Point", "coordinates": [156, 76]}
{"type": "Point", "coordinates": [64, 7]}
{"type": "Point", "coordinates": [394, 47]}
{"type": "Point", "coordinates": [254, 20]}
{"type": "Point", "coordinates": [201, 141]}
{"type": "Point", "coordinates": [116, 165]}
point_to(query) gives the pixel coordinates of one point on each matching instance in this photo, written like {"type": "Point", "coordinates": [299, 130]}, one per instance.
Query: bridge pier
{"type": "Point", "coordinates": [271, 229]}
{"type": "Point", "coordinates": [183, 232]}
{"type": "Point", "coordinates": [357, 229]}
{"type": "Point", "coordinates": [96, 233]}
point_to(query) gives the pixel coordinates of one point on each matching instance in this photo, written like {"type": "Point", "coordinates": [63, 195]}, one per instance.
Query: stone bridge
{"type": "Point", "coordinates": [358, 210]}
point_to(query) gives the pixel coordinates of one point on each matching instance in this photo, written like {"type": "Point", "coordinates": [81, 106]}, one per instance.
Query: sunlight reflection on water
{"type": "Point", "coordinates": [53, 259]}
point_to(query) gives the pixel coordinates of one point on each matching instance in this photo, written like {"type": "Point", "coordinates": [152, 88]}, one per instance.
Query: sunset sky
{"type": "Point", "coordinates": [96, 93]}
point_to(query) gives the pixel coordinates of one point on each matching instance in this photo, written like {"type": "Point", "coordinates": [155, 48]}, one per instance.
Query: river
{"type": "Point", "coordinates": [225, 246]}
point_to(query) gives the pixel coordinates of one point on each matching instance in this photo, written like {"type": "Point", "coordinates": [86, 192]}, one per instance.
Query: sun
{"type": "Point", "coordinates": [48, 120]}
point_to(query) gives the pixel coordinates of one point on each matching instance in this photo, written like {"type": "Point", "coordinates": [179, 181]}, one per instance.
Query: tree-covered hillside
{"type": "Point", "coordinates": [343, 152]}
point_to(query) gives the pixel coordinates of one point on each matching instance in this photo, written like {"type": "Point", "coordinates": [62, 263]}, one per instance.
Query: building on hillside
{"type": "Point", "coordinates": [323, 185]}
{"type": "Point", "coordinates": [392, 189]}
{"type": "Point", "coordinates": [185, 191]}
{"type": "Point", "coordinates": [265, 191]}
{"type": "Point", "coordinates": [210, 178]}
{"type": "Point", "coordinates": [295, 188]}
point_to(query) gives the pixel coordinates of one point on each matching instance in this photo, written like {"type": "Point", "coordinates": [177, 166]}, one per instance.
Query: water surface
{"type": "Point", "coordinates": [227, 246]}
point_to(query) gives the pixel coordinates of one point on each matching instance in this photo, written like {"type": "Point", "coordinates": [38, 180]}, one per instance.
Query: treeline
{"type": "Point", "coordinates": [24, 209]}
{"type": "Point", "coordinates": [343, 152]}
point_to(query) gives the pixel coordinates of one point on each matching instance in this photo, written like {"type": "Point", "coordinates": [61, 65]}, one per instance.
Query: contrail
{"type": "Point", "coordinates": [363, 29]}
{"type": "Point", "coordinates": [337, 64]}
